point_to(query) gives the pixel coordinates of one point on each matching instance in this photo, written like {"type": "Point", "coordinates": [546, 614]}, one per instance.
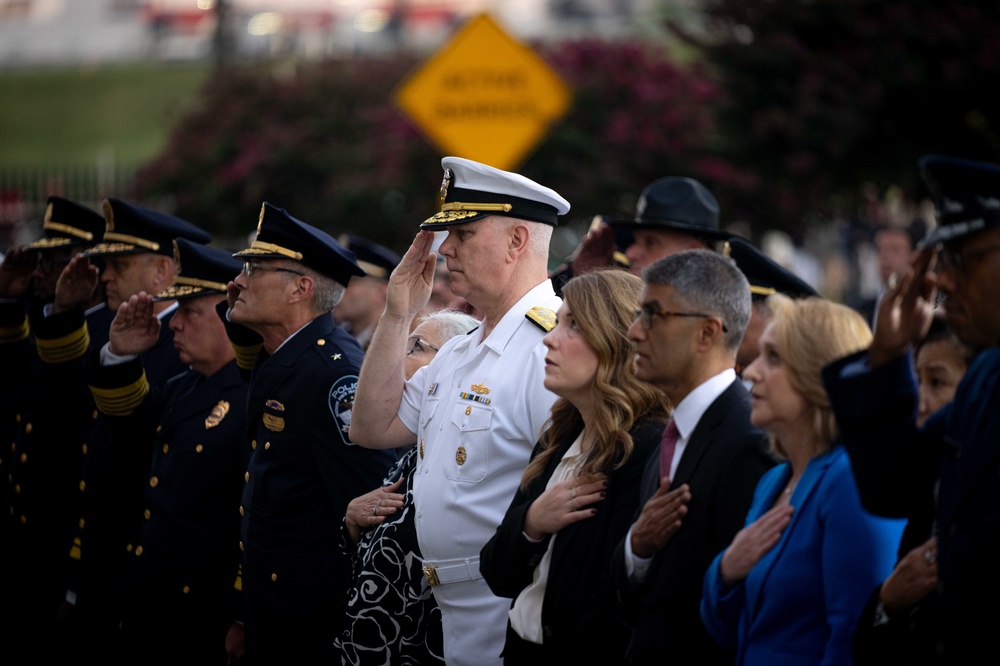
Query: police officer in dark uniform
{"type": "Point", "coordinates": [46, 421]}
{"type": "Point", "coordinates": [179, 592]}
{"type": "Point", "coordinates": [304, 469]}
{"type": "Point", "coordinates": [364, 299]}
{"type": "Point", "coordinates": [137, 249]}
{"type": "Point", "coordinates": [945, 472]}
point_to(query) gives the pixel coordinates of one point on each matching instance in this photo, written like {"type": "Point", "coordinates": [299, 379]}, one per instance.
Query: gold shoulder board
{"type": "Point", "coordinates": [543, 318]}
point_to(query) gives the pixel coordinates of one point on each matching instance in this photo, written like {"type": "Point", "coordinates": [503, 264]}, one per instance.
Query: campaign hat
{"type": "Point", "coordinates": [131, 229]}
{"type": "Point", "coordinates": [471, 191]}
{"type": "Point", "coordinates": [281, 236]}
{"type": "Point", "coordinates": [676, 203]}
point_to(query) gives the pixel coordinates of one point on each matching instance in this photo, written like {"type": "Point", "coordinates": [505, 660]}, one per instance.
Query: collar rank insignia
{"type": "Point", "coordinates": [218, 413]}
{"type": "Point", "coordinates": [543, 318]}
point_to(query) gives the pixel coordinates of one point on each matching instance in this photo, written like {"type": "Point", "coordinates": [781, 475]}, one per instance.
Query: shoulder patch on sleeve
{"type": "Point", "coordinates": [341, 401]}
{"type": "Point", "coordinates": [543, 318]}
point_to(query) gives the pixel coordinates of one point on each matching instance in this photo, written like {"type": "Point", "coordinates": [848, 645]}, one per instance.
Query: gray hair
{"type": "Point", "coordinates": [326, 291]}
{"type": "Point", "coordinates": [538, 241]}
{"type": "Point", "coordinates": [708, 282]}
{"type": "Point", "coordinates": [452, 322]}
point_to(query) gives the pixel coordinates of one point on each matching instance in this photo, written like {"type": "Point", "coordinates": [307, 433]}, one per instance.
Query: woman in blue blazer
{"type": "Point", "coordinates": [791, 586]}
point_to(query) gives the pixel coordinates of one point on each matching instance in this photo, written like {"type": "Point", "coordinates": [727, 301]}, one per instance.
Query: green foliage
{"type": "Point", "coordinates": [795, 112]}
{"type": "Point", "coordinates": [824, 96]}
{"type": "Point", "coordinates": [322, 142]}
{"type": "Point", "coordinates": [326, 143]}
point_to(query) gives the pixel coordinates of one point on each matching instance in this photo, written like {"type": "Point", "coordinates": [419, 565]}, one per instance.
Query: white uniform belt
{"type": "Point", "coordinates": [458, 570]}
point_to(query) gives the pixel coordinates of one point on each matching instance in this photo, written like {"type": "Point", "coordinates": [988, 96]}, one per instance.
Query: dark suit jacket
{"type": "Point", "coordinates": [577, 602]}
{"type": "Point", "coordinates": [897, 464]}
{"type": "Point", "coordinates": [722, 463]}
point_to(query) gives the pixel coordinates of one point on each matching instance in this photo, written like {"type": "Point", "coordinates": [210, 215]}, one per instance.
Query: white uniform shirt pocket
{"type": "Point", "coordinates": [470, 461]}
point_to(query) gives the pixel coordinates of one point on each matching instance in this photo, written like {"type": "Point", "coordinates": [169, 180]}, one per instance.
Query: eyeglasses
{"type": "Point", "coordinates": [646, 313]}
{"type": "Point", "coordinates": [956, 258]}
{"type": "Point", "coordinates": [250, 268]}
{"type": "Point", "coordinates": [46, 263]}
{"type": "Point", "coordinates": [418, 345]}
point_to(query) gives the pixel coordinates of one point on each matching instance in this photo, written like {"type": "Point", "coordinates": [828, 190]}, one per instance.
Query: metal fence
{"type": "Point", "coordinates": [24, 191]}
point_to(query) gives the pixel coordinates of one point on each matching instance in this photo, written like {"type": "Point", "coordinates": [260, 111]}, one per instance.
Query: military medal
{"type": "Point", "coordinates": [460, 455]}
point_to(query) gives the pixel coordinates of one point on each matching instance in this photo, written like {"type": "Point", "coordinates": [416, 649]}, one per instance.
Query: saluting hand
{"type": "Point", "coordinates": [135, 327]}
{"type": "Point", "coordinates": [76, 284]}
{"type": "Point", "coordinates": [412, 280]}
{"type": "Point", "coordinates": [564, 503]}
{"type": "Point", "coordinates": [905, 311]}
{"type": "Point", "coordinates": [15, 273]}
{"type": "Point", "coordinates": [753, 542]}
{"type": "Point", "coordinates": [659, 519]}
{"type": "Point", "coordinates": [596, 250]}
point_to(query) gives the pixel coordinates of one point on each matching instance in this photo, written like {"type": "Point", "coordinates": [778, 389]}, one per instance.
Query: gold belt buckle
{"type": "Point", "coordinates": [432, 575]}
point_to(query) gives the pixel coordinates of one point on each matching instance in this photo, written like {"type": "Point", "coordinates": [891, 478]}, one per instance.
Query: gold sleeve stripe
{"type": "Point", "coordinates": [123, 400]}
{"type": "Point", "coordinates": [246, 356]}
{"type": "Point", "coordinates": [67, 348]}
{"type": "Point", "coordinates": [12, 334]}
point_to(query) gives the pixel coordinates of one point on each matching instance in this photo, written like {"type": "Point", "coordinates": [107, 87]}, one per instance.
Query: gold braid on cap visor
{"type": "Point", "coordinates": [458, 210]}
{"type": "Point", "coordinates": [132, 240]}
{"type": "Point", "coordinates": [260, 247]}
{"type": "Point", "coordinates": [66, 229]}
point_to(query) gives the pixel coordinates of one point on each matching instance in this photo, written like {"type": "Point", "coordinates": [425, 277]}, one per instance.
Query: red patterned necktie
{"type": "Point", "coordinates": [667, 446]}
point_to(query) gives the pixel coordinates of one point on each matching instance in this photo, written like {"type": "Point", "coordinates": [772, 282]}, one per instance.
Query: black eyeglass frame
{"type": "Point", "coordinates": [646, 313]}
{"type": "Point", "coordinates": [250, 267]}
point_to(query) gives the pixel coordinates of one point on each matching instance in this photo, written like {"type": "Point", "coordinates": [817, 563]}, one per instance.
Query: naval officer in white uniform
{"type": "Point", "coordinates": [477, 410]}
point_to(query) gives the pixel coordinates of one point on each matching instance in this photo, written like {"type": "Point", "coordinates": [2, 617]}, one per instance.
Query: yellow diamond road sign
{"type": "Point", "coordinates": [484, 96]}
